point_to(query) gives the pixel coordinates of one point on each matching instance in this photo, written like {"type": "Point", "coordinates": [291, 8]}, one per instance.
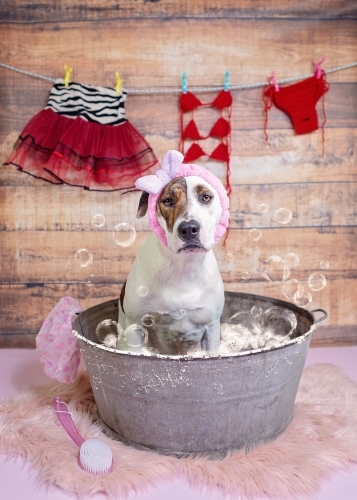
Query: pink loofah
{"type": "Point", "coordinates": [56, 346]}
{"type": "Point", "coordinates": [172, 167]}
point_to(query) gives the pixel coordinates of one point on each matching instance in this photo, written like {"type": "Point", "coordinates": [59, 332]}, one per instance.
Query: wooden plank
{"type": "Point", "coordinates": [309, 203]}
{"type": "Point", "coordinates": [290, 158]}
{"type": "Point", "coordinates": [31, 11]}
{"type": "Point", "coordinates": [334, 336]}
{"type": "Point", "coordinates": [338, 298]}
{"type": "Point", "coordinates": [68, 209]}
{"type": "Point", "coordinates": [24, 308]}
{"type": "Point", "coordinates": [49, 257]}
{"type": "Point", "coordinates": [158, 114]}
{"type": "Point", "coordinates": [162, 61]}
{"type": "Point", "coordinates": [20, 341]}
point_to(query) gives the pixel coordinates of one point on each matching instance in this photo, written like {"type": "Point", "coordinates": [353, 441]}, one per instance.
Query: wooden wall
{"type": "Point", "coordinates": [151, 43]}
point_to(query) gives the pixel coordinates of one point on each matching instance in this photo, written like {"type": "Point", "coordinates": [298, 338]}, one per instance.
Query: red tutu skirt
{"type": "Point", "coordinates": [82, 138]}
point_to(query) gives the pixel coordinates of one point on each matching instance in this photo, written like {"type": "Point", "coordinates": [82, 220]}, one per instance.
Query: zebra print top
{"type": "Point", "coordinates": [94, 104]}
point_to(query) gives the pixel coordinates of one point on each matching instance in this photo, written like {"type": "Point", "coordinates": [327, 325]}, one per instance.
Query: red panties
{"type": "Point", "coordinates": [298, 101]}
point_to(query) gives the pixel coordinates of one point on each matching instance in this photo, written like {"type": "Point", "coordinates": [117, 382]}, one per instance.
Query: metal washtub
{"type": "Point", "coordinates": [182, 405]}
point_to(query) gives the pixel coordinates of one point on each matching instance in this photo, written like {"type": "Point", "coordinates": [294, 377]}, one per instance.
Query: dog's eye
{"type": "Point", "coordinates": [206, 198]}
{"type": "Point", "coordinates": [168, 202]}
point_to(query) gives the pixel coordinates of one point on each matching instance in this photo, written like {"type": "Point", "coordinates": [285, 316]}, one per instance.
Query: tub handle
{"type": "Point", "coordinates": [324, 315]}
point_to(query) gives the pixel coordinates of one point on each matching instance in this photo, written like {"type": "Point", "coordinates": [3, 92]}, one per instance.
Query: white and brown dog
{"type": "Point", "coordinates": [188, 210]}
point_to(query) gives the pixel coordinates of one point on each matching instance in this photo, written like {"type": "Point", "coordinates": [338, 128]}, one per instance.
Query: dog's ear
{"type": "Point", "coordinates": [143, 205]}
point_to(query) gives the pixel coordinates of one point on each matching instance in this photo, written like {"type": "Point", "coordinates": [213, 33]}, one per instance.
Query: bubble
{"type": "Point", "coordinates": [279, 322]}
{"type": "Point", "coordinates": [142, 291]}
{"type": "Point", "coordinates": [291, 260]}
{"type": "Point", "coordinates": [272, 343]}
{"type": "Point", "coordinates": [245, 276]}
{"type": "Point", "coordinates": [255, 234]}
{"type": "Point", "coordinates": [183, 312]}
{"type": "Point", "coordinates": [124, 234]}
{"type": "Point", "coordinates": [304, 300]}
{"type": "Point", "coordinates": [229, 257]}
{"type": "Point", "coordinates": [135, 336]}
{"type": "Point", "coordinates": [266, 336]}
{"type": "Point", "coordinates": [244, 323]}
{"type": "Point", "coordinates": [230, 341]}
{"type": "Point", "coordinates": [254, 344]}
{"type": "Point", "coordinates": [256, 311]}
{"type": "Point", "coordinates": [275, 269]}
{"type": "Point", "coordinates": [324, 264]}
{"type": "Point", "coordinates": [237, 248]}
{"type": "Point", "coordinates": [83, 257]}
{"type": "Point", "coordinates": [283, 215]}
{"type": "Point", "coordinates": [260, 341]}
{"type": "Point", "coordinates": [107, 327]}
{"type": "Point", "coordinates": [293, 288]}
{"type": "Point", "coordinates": [110, 340]}
{"type": "Point", "coordinates": [148, 320]}
{"type": "Point", "coordinates": [98, 220]}
{"type": "Point", "coordinates": [317, 282]}
{"type": "Point", "coordinates": [263, 207]}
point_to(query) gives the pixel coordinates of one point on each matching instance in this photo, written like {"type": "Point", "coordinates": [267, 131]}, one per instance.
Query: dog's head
{"type": "Point", "coordinates": [188, 210]}
{"type": "Point", "coordinates": [188, 206]}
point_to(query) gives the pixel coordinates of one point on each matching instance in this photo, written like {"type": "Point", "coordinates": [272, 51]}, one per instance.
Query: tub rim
{"type": "Point", "coordinates": [185, 357]}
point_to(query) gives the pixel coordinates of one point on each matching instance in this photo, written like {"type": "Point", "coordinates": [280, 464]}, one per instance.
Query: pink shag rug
{"type": "Point", "coordinates": [321, 439]}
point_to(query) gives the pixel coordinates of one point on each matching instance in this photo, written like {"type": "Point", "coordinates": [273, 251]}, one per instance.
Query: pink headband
{"type": "Point", "coordinates": [173, 167]}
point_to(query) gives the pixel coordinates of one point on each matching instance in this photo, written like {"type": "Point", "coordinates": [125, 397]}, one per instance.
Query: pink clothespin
{"type": "Point", "coordinates": [273, 81]}
{"type": "Point", "coordinates": [317, 66]}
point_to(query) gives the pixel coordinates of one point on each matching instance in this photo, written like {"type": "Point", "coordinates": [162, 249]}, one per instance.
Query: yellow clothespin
{"type": "Point", "coordinates": [119, 81]}
{"type": "Point", "coordinates": [67, 76]}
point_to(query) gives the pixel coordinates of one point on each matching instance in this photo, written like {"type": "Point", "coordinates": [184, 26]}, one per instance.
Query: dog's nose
{"type": "Point", "coordinates": [189, 230]}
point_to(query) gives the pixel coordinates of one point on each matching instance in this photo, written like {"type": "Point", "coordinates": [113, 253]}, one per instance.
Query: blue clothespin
{"type": "Point", "coordinates": [226, 81]}
{"type": "Point", "coordinates": [184, 83]}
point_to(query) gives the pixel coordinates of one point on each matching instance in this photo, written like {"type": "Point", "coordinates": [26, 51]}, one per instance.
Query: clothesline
{"type": "Point", "coordinates": [178, 90]}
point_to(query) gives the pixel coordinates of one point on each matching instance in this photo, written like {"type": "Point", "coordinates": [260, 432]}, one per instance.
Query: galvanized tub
{"type": "Point", "coordinates": [182, 405]}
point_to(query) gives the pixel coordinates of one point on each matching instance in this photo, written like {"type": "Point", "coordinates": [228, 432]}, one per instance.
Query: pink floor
{"type": "Point", "coordinates": [20, 368]}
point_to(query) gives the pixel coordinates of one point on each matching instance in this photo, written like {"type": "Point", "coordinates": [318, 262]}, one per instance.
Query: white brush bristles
{"type": "Point", "coordinates": [95, 456]}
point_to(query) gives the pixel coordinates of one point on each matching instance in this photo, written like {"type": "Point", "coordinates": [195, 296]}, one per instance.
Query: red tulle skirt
{"type": "Point", "coordinates": [81, 153]}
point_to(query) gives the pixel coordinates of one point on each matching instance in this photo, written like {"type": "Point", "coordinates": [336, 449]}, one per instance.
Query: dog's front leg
{"type": "Point", "coordinates": [211, 339]}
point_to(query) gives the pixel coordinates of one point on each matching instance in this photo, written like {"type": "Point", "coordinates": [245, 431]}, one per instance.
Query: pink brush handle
{"type": "Point", "coordinates": [66, 421]}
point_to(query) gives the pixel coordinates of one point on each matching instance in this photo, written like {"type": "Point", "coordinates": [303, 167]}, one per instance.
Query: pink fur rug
{"type": "Point", "coordinates": [321, 438]}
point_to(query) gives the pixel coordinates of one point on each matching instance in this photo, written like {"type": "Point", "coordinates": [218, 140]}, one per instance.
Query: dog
{"type": "Point", "coordinates": [188, 210]}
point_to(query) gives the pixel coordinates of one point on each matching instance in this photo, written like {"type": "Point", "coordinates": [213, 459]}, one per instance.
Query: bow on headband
{"type": "Point", "coordinates": [153, 184]}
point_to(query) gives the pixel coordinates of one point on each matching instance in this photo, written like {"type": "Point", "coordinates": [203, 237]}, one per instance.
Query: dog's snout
{"type": "Point", "coordinates": [189, 230]}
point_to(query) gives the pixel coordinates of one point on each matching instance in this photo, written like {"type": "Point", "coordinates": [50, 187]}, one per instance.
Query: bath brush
{"type": "Point", "coordinates": [95, 456]}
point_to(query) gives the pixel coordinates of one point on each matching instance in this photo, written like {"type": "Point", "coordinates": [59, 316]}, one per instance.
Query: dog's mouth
{"type": "Point", "coordinates": [192, 247]}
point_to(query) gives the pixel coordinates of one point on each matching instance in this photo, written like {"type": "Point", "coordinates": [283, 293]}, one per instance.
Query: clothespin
{"type": "Point", "coordinates": [184, 83]}
{"type": "Point", "coordinates": [226, 81]}
{"type": "Point", "coordinates": [273, 81]}
{"type": "Point", "coordinates": [119, 82]}
{"type": "Point", "coordinates": [67, 75]}
{"type": "Point", "coordinates": [317, 66]}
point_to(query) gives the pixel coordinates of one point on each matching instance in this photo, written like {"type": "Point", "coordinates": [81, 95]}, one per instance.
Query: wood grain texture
{"type": "Point", "coordinates": [310, 204]}
{"type": "Point", "coordinates": [158, 57]}
{"type": "Point", "coordinates": [331, 336]}
{"type": "Point", "coordinates": [248, 110]}
{"type": "Point", "coordinates": [20, 11]}
{"type": "Point", "coordinates": [49, 256]}
{"type": "Point", "coordinates": [287, 158]}
{"type": "Point", "coordinates": [151, 44]}
{"type": "Point", "coordinates": [26, 306]}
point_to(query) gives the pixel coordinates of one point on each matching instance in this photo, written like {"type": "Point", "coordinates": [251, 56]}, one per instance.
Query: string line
{"type": "Point", "coordinates": [194, 89]}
